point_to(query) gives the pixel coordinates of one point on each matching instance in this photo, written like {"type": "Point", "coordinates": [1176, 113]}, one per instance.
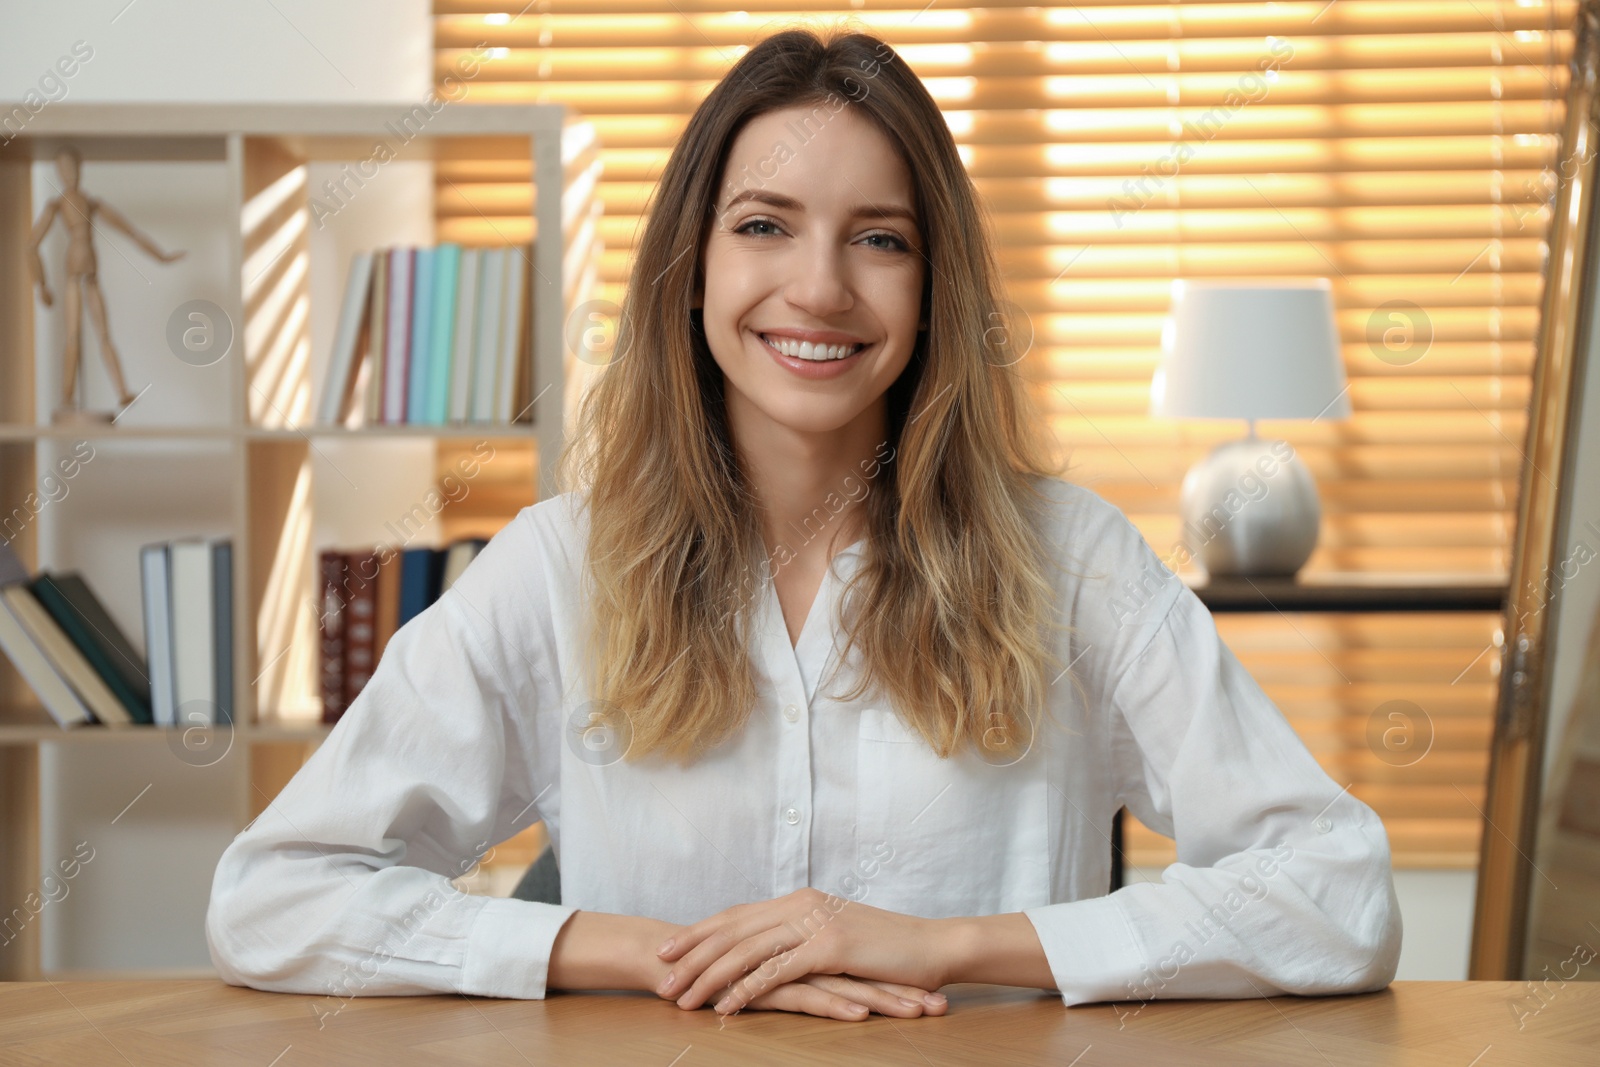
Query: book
{"type": "Point", "coordinates": [492, 287]}
{"type": "Point", "coordinates": [331, 629]}
{"type": "Point", "coordinates": [456, 558]}
{"type": "Point", "coordinates": [508, 357]}
{"type": "Point", "coordinates": [351, 417]}
{"type": "Point", "coordinates": [86, 622]}
{"type": "Point", "coordinates": [360, 631]}
{"type": "Point", "coordinates": [341, 372]}
{"type": "Point", "coordinates": [397, 334]}
{"type": "Point", "coordinates": [222, 627]}
{"type": "Point", "coordinates": [128, 660]}
{"type": "Point", "coordinates": [155, 562]}
{"type": "Point", "coordinates": [64, 656]}
{"type": "Point", "coordinates": [447, 335]}
{"type": "Point", "coordinates": [523, 394]}
{"type": "Point", "coordinates": [466, 327]}
{"type": "Point", "coordinates": [422, 286]}
{"type": "Point", "coordinates": [377, 326]}
{"type": "Point", "coordinates": [12, 568]}
{"type": "Point", "coordinates": [436, 396]}
{"type": "Point", "coordinates": [366, 596]}
{"type": "Point", "coordinates": [193, 633]}
{"type": "Point", "coordinates": [522, 404]}
{"type": "Point", "coordinates": [386, 611]}
{"type": "Point", "coordinates": [37, 670]}
{"type": "Point", "coordinates": [421, 570]}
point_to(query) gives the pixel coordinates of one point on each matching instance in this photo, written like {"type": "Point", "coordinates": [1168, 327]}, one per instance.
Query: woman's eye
{"type": "Point", "coordinates": [895, 244]}
{"type": "Point", "coordinates": [745, 227]}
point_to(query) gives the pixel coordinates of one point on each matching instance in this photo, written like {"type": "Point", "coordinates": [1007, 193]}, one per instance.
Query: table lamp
{"type": "Point", "coordinates": [1250, 350]}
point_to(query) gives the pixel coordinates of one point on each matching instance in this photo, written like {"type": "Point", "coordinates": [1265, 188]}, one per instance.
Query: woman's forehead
{"type": "Point", "coordinates": [844, 163]}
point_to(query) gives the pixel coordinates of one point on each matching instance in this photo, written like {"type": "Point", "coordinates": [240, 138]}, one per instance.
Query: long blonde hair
{"type": "Point", "coordinates": [952, 605]}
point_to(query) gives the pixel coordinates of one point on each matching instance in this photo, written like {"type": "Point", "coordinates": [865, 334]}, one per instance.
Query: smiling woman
{"type": "Point", "coordinates": [819, 244]}
{"type": "Point", "coordinates": [647, 661]}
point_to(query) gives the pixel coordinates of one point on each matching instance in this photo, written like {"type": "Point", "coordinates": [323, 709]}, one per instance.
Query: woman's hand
{"type": "Point", "coordinates": [757, 948]}
{"type": "Point", "coordinates": [841, 996]}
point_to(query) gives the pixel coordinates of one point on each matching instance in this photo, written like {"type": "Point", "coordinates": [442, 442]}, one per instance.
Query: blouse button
{"type": "Point", "coordinates": [791, 815]}
{"type": "Point", "coordinates": [791, 712]}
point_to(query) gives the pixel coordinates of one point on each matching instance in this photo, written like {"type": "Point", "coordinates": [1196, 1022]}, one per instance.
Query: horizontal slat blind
{"type": "Point", "coordinates": [1404, 150]}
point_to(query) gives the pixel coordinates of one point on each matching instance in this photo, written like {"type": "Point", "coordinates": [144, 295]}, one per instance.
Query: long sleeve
{"type": "Point", "coordinates": [1282, 882]}
{"type": "Point", "coordinates": [343, 885]}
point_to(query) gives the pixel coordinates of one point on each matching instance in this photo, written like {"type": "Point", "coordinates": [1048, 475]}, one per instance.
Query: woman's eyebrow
{"type": "Point", "coordinates": [789, 203]}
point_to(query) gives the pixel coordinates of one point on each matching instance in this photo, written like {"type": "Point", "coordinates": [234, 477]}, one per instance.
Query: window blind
{"type": "Point", "coordinates": [1404, 150]}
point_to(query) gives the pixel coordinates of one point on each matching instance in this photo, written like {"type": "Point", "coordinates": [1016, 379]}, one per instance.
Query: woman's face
{"type": "Point", "coordinates": [814, 238]}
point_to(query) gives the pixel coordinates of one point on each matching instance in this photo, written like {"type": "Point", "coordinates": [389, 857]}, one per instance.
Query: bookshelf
{"type": "Point", "coordinates": [256, 428]}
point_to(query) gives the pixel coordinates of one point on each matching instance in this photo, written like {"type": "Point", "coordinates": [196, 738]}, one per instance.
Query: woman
{"type": "Point", "coordinates": [810, 457]}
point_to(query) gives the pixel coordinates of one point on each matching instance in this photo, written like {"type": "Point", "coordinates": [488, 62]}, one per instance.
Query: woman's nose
{"type": "Point", "coordinates": [820, 284]}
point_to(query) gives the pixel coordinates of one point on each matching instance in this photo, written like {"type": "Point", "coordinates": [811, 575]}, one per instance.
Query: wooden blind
{"type": "Point", "coordinates": [1404, 150]}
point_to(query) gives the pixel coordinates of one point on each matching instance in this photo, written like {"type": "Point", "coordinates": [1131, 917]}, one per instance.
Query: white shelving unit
{"type": "Point", "coordinates": [262, 448]}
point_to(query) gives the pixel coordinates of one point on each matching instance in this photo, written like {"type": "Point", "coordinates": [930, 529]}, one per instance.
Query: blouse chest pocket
{"type": "Point", "coordinates": [944, 837]}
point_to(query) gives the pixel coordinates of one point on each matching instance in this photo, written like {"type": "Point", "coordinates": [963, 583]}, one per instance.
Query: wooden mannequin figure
{"type": "Point", "coordinates": [77, 212]}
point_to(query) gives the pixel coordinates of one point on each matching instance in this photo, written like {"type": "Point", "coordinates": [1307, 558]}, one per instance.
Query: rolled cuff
{"type": "Point", "coordinates": [1091, 947]}
{"type": "Point", "coordinates": [509, 946]}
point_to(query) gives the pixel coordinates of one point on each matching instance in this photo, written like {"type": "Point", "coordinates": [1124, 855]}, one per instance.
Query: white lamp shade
{"type": "Point", "coordinates": [1250, 350]}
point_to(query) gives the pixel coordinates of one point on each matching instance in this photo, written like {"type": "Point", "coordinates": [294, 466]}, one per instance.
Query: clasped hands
{"type": "Point", "coordinates": [809, 952]}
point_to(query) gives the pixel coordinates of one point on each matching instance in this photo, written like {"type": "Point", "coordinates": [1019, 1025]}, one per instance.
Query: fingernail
{"type": "Point", "coordinates": [666, 984]}
{"type": "Point", "coordinates": [852, 1006]}
{"type": "Point", "coordinates": [667, 947]}
{"type": "Point", "coordinates": [722, 1005]}
{"type": "Point", "coordinates": [909, 1003]}
{"type": "Point", "coordinates": [933, 1000]}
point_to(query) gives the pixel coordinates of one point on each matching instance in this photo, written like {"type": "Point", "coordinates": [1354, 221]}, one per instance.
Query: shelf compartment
{"type": "Point", "coordinates": [283, 495]}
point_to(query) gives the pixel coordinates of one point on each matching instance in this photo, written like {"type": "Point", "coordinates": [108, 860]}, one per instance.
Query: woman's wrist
{"type": "Point", "coordinates": [955, 946]}
{"type": "Point", "coordinates": [999, 949]}
{"type": "Point", "coordinates": [649, 968]}
{"type": "Point", "coordinates": [598, 950]}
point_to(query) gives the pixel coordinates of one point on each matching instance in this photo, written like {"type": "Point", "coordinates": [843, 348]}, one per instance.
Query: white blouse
{"type": "Point", "coordinates": [468, 732]}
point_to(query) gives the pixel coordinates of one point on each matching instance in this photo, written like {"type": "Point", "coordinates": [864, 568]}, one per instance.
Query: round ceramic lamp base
{"type": "Point", "coordinates": [1250, 509]}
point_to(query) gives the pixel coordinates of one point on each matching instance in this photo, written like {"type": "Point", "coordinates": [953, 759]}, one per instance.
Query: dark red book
{"type": "Point", "coordinates": [360, 629]}
{"type": "Point", "coordinates": [331, 626]}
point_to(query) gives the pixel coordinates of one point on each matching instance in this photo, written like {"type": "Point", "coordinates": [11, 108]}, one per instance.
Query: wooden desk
{"type": "Point", "coordinates": [180, 1024]}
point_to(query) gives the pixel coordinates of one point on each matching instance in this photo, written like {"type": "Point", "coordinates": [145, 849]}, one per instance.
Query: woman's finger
{"type": "Point", "coordinates": [691, 966]}
{"type": "Point", "coordinates": [741, 920]}
{"type": "Point", "coordinates": [811, 1000]}
{"type": "Point", "coordinates": [751, 967]}
{"type": "Point", "coordinates": [709, 940]}
{"type": "Point", "coordinates": [936, 1006]}
{"type": "Point", "coordinates": [684, 938]}
{"type": "Point", "coordinates": [902, 1002]}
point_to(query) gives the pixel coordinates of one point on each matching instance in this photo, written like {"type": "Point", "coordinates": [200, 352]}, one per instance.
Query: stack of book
{"type": "Point", "coordinates": [188, 626]}
{"type": "Point", "coordinates": [437, 335]}
{"type": "Point", "coordinates": [67, 648]}
{"type": "Point", "coordinates": [366, 596]}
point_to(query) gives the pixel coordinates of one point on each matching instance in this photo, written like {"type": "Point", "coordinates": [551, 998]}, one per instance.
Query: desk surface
{"type": "Point", "coordinates": [182, 1023]}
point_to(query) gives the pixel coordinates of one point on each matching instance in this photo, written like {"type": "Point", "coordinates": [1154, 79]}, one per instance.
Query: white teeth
{"type": "Point", "coordinates": [808, 351]}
